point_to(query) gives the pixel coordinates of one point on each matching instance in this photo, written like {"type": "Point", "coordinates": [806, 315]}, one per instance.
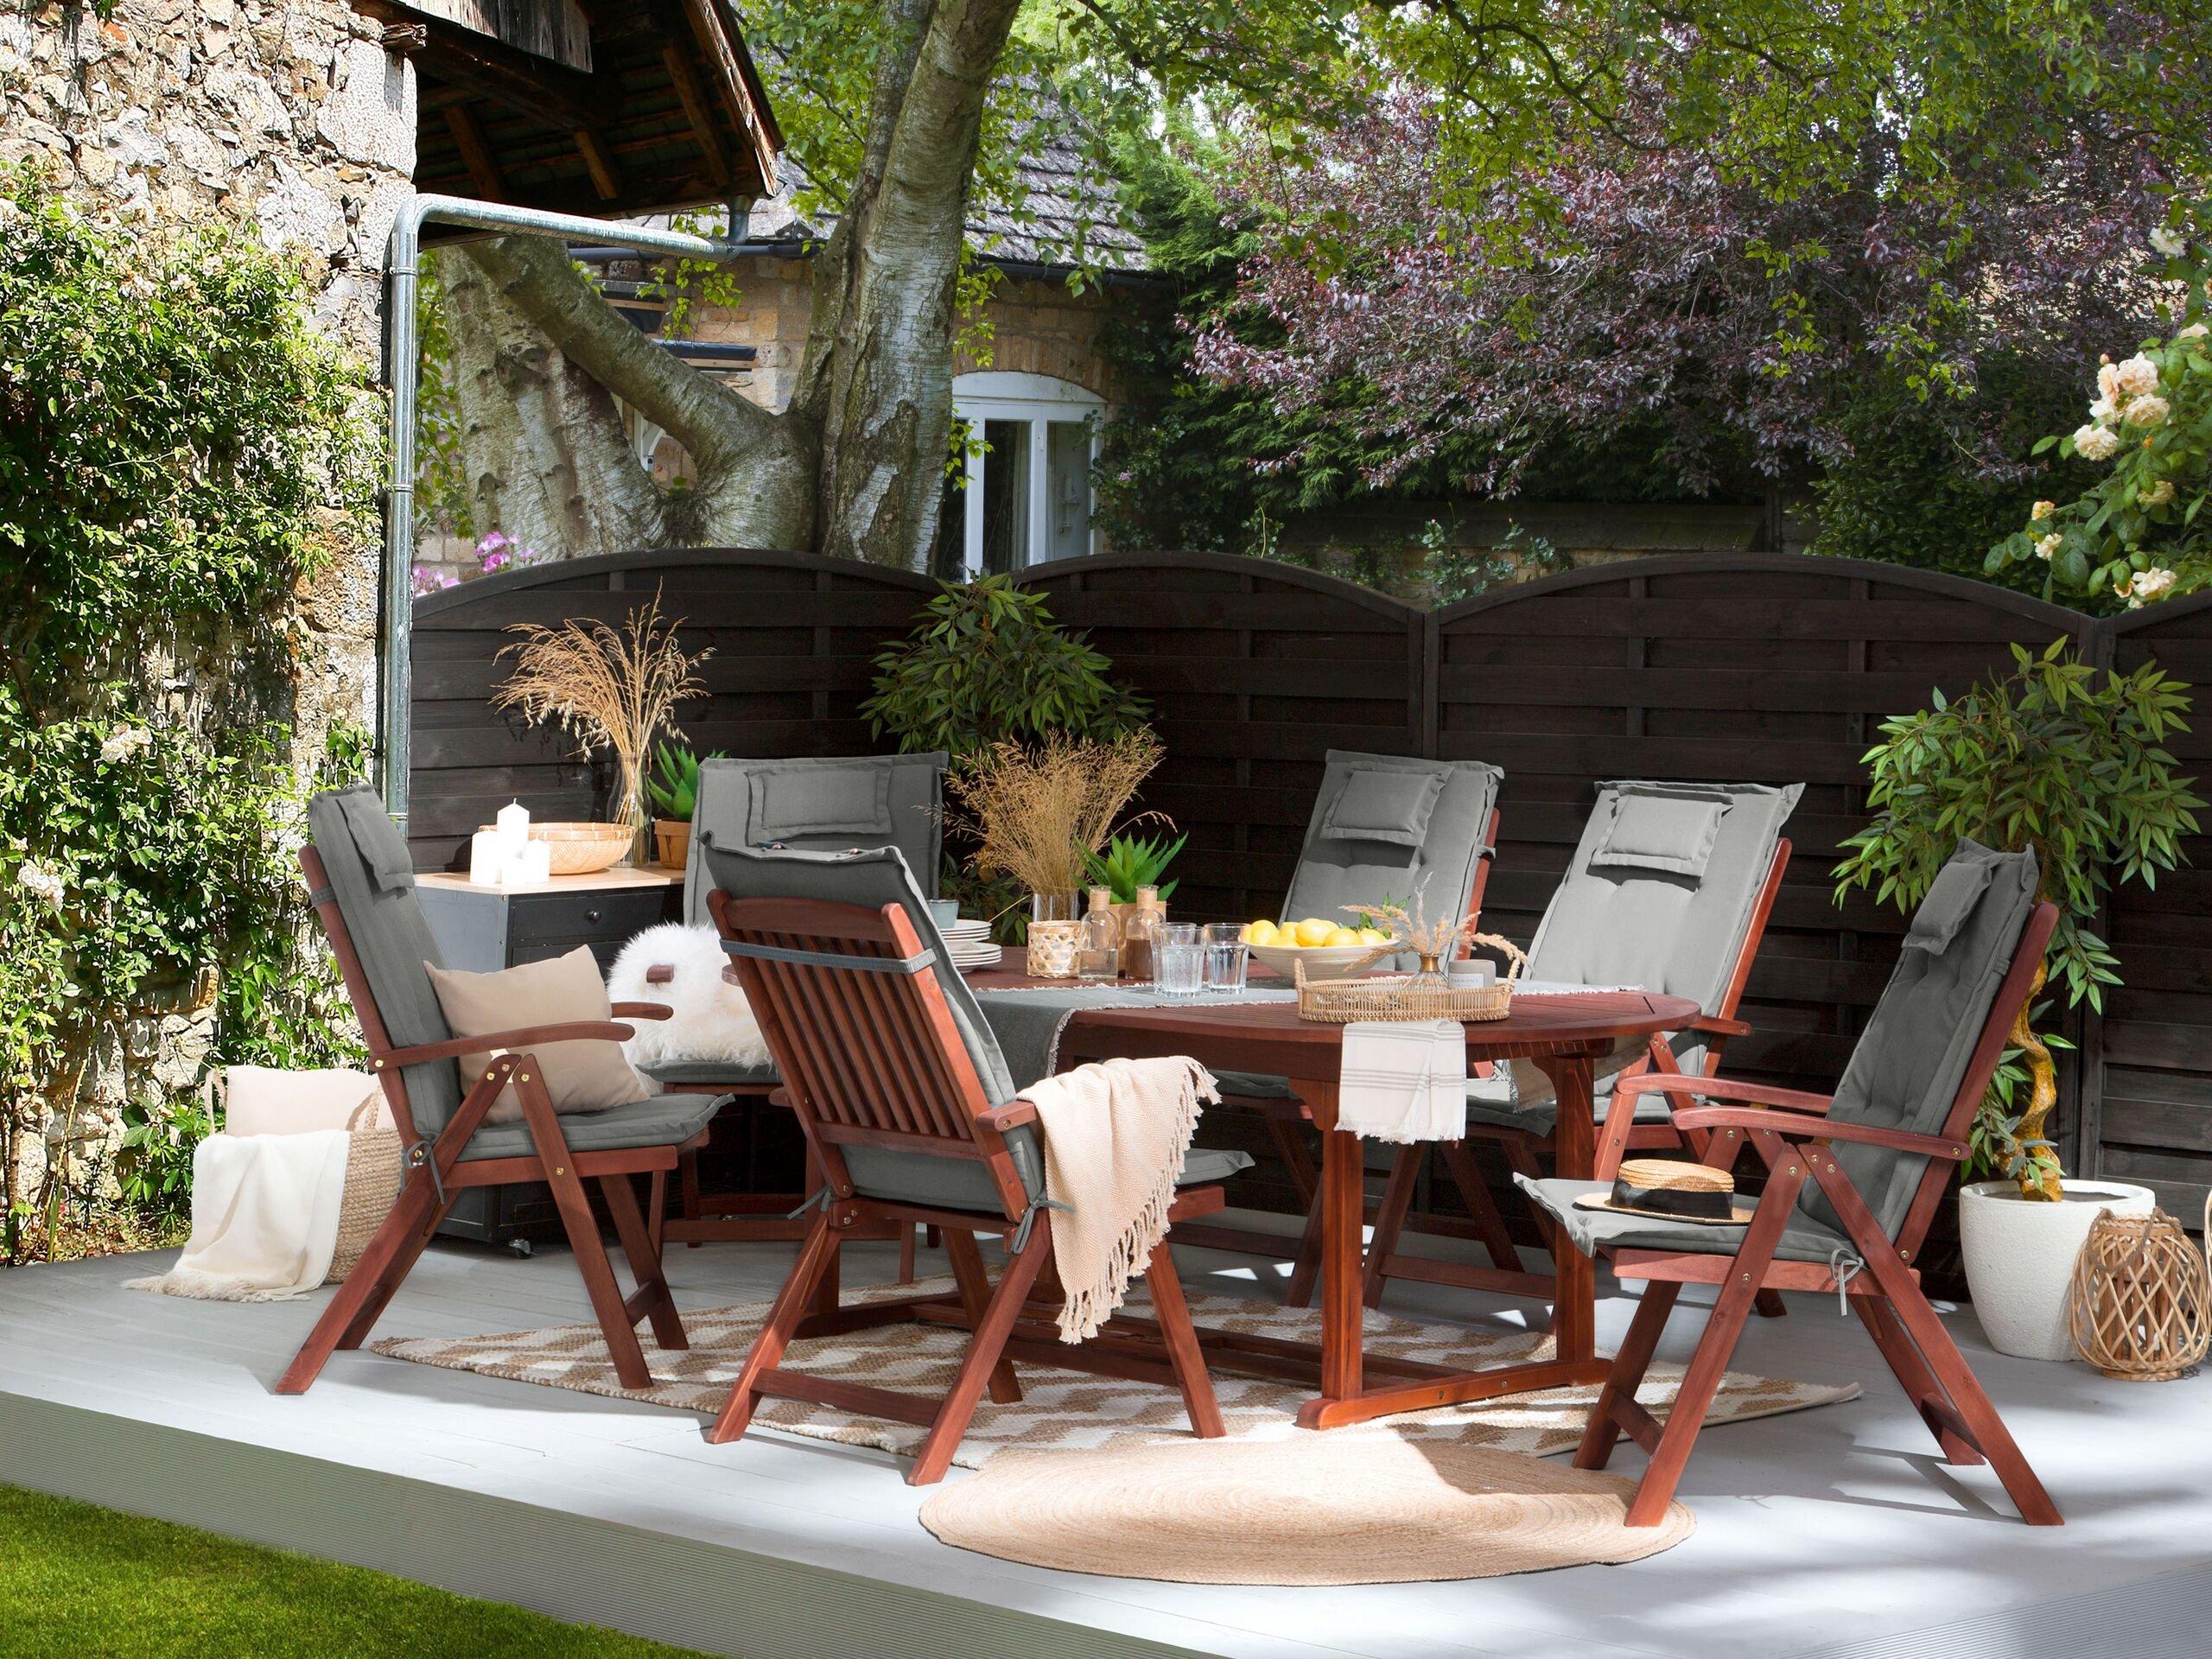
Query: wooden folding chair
{"type": "Point", "coordinates": [1457, 844]}
{"type": "Point", "coordinates": [381, 948]}
{"type": "Point", "coordinates": [1714, 971]}
{"type": "Point", "coordinates": [891, 1095]}
{"type": "Point", "coordinates": [1852, 1181]}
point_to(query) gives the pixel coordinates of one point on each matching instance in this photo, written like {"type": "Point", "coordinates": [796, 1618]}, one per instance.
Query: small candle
{"type": "Point", "coordinates": [536, 864]}
{"type": "Point", "coordinates": [514, 821]}
{"type": "Point", "coordinates": [487, 859]}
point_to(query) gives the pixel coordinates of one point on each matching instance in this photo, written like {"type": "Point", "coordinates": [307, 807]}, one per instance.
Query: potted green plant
{"type": "Point", "coordinates": [675, 790]}
{"type": "Point", "coordinates": [1130, 863]}
{"type": "Point", "coordinates": [2068, 762]}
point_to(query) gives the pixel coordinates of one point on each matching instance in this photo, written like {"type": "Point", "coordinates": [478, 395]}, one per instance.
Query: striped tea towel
{"type": "Point", "coordinates": [1404, 1080]}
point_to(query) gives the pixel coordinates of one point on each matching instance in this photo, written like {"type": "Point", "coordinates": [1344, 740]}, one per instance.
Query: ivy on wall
{"type": "Point", "coordinates": [183, 452]}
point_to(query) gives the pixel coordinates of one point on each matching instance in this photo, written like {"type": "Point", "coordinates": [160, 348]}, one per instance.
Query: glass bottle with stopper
{"type": "Point", "coordinates": [1097, 941]}
{"type": "Point", "coordinates": [1140, 936]}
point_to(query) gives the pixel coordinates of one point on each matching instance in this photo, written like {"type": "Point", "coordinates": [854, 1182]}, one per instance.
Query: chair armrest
{"type": "Point", "coordinates": [1713, 1024]}
{"type": "Point", "coordinates": [1800, 1127]}
{"type": "Point", "coordinates": [643, 1011]}
{"type": "Point", "coordinates": [1756, 1094]}
{"type": "Point", "coordinates": [453, 1048]}
{"type": "Point", "coordinates": [661, 973]}
{"type": "Point", "coordinates": [1008, 1116]}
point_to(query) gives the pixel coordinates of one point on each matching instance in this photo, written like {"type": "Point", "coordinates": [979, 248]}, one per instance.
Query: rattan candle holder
{"type": "Point", "coordinates": [2141, 1309]}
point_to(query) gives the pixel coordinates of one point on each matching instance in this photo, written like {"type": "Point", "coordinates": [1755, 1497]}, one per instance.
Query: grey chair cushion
{"type": "Point", "coordinates": [1336, 869]}
{"type": "Point", "coordinates": [1908, 1062]}
{"type": "Point", "coordinates": [1668, 932]}
{"type": "Point", "coordinates": [1254, 1084]}
{"type": "Point", "coordinates": [1657, 829]}
{"type": "Point", "coordinates": [962, 1184]}
{"type": "Point", "coordinates": [1493, 1100]}
{"type": "Point", "coordinates": [371, 878]}
{"type": "Point", "coordinates": [822, 804]}
{"type": "Point", "coordinates": [659, 1121]}
{"type": "Point", "coordinates": [1803, 1239]}
{"type": "Point", "coordinates": [872, 878]}
{"type": "Point", "coordinates": [726, 1073]}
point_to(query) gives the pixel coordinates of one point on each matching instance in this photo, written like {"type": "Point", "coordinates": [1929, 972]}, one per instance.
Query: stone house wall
{"type": "Point", "coordinates": [284, 114]}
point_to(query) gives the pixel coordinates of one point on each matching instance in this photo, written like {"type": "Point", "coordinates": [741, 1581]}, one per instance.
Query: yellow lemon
{"type": "Point", "coordinates": [1373, 936]}
{"type": "Point", "coordinates": [1314, 930]}
{"type": "Point", "coordinates": [1260, 932]}
{"type": "Point", "coordinates": [1343, 936]}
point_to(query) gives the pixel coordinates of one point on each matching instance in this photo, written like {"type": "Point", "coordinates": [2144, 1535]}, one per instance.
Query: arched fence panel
{"type": "Point", "coordinates": [1765, 669]}
{"type": "Point", "coordinates": [1254, 671]}
{"type": "Point", "coordinates": [792, 637]}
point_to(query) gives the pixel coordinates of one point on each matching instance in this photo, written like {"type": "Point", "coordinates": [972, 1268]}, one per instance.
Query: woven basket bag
{"type": "Point", "coordinates": [373, 1175]}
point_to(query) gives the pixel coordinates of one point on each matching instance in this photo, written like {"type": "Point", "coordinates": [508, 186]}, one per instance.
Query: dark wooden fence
{"type": "Point", "coordinates": [1773, 668]}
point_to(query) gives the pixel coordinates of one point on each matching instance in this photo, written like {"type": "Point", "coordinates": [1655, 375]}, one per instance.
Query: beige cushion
{"type": "Point", "coordinates": [588, 1076]}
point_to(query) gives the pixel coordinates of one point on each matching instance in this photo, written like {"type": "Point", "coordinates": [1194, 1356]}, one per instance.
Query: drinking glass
{"type": "Point", "coordinates": [1182, 968]}
{"type": "Point", "coordinates": [1226, 955]}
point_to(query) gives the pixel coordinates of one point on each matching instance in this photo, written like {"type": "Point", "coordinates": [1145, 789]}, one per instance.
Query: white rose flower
{"type": "Point", "coordinates": [2134, 604]}
{"type": "Point", "coordinates": [125, 742]}
{"type": "Point", "coordinates": [2154, 583]}
{"type": "Point", "coordinates": [2047, 545]}
{"type": "Point", "coordinates": [2042, 510]}
{"type": "Point", "coordinates": [2147, 411]}
{"type": "Point", "coordinates": [2095, 443]}
{"type": "Point", "coordinates": [2104, 411]}
{"type": "Point", "coordinates": [2194, 331]}
{"type": "Point", "coordinates": [2170, 242]}
{"type": "Point", "coordinates": [2108, 381]}
{"type": "Point", "coordinates": [2136, 377]}
{"type": "Point", "coordinates": [40, 882]}
{"type": "Point", "coordinates": [2158, 495]}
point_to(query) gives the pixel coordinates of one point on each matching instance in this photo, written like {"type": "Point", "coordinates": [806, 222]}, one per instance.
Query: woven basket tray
{"type": "Point", "coordinates": [1409, 996]}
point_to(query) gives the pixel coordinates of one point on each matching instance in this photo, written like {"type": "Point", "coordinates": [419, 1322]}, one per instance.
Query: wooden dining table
{"type": "Point", "coordinates": [1564, 1036]}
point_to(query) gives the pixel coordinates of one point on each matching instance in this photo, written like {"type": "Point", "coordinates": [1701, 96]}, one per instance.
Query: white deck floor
{"type": "Point", "coordinates": [1833, 1532]}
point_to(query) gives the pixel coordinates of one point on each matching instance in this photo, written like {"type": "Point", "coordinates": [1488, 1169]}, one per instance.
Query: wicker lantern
{"type": "Point", "coordinates": [2142, 1300]}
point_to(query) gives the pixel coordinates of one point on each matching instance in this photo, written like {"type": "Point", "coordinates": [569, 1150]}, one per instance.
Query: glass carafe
{"type": "Point", "coordinates": [1140, 937]}
{"type": "Point", "coordinates": [1098, 940]}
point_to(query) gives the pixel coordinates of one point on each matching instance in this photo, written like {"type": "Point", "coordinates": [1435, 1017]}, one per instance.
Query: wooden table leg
{"type": "Point", "coordinates": [1343, 1215]}
{"type": "Point", "coordinates": [1574, 1333]}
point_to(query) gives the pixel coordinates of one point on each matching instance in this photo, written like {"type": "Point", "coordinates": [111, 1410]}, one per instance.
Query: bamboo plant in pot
{"type": "Point", "coordinates": [2062, 760]}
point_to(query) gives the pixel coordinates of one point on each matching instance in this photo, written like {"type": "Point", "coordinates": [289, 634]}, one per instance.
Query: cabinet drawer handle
{"type": "Point", "coordinates": [592, 916]}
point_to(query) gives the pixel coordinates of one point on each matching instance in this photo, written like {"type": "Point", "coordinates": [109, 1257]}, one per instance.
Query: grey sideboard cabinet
{"type": "Point", "coordinates": [481, 930]}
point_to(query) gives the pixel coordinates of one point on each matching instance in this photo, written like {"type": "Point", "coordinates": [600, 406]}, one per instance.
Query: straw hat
{"type": "Point", "coordinates": [1671, 1191]}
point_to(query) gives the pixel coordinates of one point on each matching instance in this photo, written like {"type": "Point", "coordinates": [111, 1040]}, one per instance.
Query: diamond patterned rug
{"type": "Point", "coordinates": [1063, 1410]}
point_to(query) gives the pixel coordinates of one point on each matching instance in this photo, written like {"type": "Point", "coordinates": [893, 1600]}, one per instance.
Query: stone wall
{"type": "Point", "coordinates": [284, 114]}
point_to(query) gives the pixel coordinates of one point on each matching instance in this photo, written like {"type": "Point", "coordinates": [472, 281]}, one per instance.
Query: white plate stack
{"type": "Point", "coordinates": [969, 941]}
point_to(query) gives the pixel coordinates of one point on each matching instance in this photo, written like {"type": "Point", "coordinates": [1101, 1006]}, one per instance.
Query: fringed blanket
{"type": "Point", "coordinates": [1115, 1133]}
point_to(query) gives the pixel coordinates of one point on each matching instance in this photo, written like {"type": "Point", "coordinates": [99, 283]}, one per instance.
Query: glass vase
{"type": "Point", "coordinates": [1054, 930]}
{"type": "Point", "coordinates": [630, 810]}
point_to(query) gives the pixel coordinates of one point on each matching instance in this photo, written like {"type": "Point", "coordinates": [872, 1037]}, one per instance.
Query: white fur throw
{"type": "Point", "coordinates": [712, 1020]}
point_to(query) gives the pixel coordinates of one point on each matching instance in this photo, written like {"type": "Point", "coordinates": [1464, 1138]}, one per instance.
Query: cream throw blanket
{"type": "Point", "coordinates": [1116, 1135]}
{"type": "Point", "coordinates": [266, 1190]}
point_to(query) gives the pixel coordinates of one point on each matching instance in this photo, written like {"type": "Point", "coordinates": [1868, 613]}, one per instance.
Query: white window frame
{"type": "Point", "coordinates": [1038, 400]}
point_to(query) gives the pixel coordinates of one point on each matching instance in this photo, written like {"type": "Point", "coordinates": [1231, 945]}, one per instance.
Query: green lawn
{"type": "Point", "coordinates": [76, 1581]}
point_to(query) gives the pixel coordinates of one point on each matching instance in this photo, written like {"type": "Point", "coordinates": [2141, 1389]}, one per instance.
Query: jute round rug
{"type": "Point", "coordinates": [1316, 1509]}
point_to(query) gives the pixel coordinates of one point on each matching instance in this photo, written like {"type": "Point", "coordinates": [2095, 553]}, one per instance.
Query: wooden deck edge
{"type": "Point", "coordinates": [580, 1569]}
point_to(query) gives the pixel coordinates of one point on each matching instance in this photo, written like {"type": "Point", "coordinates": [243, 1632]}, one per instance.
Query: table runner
{"type": "Point", "coordinates": [1028, 1022]}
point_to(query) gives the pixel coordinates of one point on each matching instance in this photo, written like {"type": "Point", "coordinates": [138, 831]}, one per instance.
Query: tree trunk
{"type": "Point", "coordinates": [878, 376]}
{"type": "Point", "coordinates": [2040, 1172]}
{"type": "Point", "coordinates": [547, 459]}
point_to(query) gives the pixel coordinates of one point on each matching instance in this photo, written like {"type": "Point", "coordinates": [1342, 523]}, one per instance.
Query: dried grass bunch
{"type": "Point", "coordinates": [1412, 931]}
{"type": "Point", "coordinates": [609, 688]}
{"type": "Point", "coordinates": [1035, 810]}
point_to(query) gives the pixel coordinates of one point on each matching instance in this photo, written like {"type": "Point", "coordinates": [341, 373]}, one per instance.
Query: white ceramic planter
{"type": "Point", "coordinates": [2020, 1255]}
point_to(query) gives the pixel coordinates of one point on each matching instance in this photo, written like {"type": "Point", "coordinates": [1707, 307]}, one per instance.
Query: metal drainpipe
{"type": "Point", "coordinates": [402, 366]}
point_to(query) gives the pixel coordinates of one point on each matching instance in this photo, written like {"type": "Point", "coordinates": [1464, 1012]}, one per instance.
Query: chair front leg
{"type": "Point", "coordinates": [653, 1295]}
{"type": "Point", "coordinates": [1181, 1338]}
{"type": "Point", "coordinates": [984, 1350]}
{"type": "Point", "coordinates": [581, 1225]}
{"type": "Point", "coordinates": [1714, 1349]}
{"type": "Point", "coordinates": [1617, 1401]}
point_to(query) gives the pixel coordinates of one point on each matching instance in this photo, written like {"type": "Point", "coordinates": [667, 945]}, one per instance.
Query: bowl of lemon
{"type": "Point", "coordinates": [1326, 949]}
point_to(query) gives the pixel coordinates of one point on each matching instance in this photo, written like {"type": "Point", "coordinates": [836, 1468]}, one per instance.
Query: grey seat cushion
{"type": "Point", "coordinates": [1803, 1239]}
{"type": "Point", "coordinates": [1254, 1084]}
{"type": "Point", "coordinates": [819, 804]}
{"type": "Point", "coordinates": [1491, 1100]}
{"type": "Point", "coordinates": [962, 1184]}
{"type": "Point", "coordinates": [1438, 840]}
{"type": "Point", "coordinates": [728, 1073]}
{"type": "Point", "coordinates": [373, 881]}
{"type": "Point", "coordinates": [657, 1121]}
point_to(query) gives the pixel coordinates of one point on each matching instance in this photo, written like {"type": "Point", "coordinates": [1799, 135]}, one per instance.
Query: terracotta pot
{"type": "Point", "coordinates": [671, 843]}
